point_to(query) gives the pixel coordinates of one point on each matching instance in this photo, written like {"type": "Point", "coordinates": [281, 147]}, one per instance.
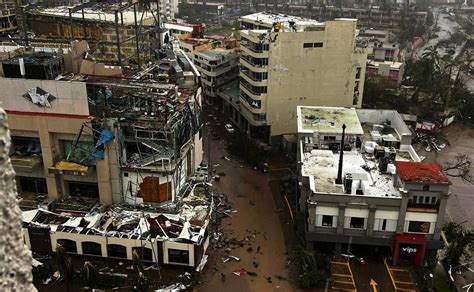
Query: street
{"type": "Point", "coordinates": [257, 220]}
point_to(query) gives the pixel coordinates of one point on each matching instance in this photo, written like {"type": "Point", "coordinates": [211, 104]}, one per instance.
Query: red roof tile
{"type": "Point", "coordinates": [421, 172]}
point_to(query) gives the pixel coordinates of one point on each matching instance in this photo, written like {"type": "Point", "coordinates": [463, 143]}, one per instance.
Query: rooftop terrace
{"type": "Point", "coordinates": [328, 120]}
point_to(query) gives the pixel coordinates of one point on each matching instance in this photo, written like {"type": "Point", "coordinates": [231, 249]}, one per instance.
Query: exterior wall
{"type": "Point", "coordinates": [322, 76]}
{"type": "Point", "coordinates": [8, 11]}
{"type": "Point", "coordinates": [51, 125]}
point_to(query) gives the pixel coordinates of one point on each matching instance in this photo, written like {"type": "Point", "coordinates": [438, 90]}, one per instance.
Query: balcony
{"type": "Point", "coordinates": [256, 53]}
{"type": "Point", "coordinates": [247, 62]}
{"type": "Point", "coordinates": [26, 163]}
{"type": "Point", "coordinates": [425, 208]}
{"type": "Point", "coordinates": [252, 79]}
{"type": "Point", "coordinates": [248, 89]}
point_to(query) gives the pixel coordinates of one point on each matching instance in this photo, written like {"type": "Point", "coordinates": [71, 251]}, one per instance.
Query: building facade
{"type": "Point", "coordinates": [217, 59]}
{"type": "Point", "coordinates": [376, 192]}
{"type": "Point", "coordinates": [288, 61]}
{"type": "Point", "coordinates": [96, 139]}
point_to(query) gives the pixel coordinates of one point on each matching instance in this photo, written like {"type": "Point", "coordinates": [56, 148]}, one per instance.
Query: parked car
{"type": "Point", "coordinates": [229, 128]}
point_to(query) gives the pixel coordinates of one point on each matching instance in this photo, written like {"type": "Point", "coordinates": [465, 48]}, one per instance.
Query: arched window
{"type": "Point", "coordinates": [91, 248]}
{"type": "Point", "coordinates": [145, 254]}
{"type": "Point", "coordinates": [116, 251]}
{"type": "Point", "coordinates": [69, 245]}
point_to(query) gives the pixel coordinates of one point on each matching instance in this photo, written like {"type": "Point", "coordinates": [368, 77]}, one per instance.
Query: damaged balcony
{"type": "Point", "coordinates": [26, 156]}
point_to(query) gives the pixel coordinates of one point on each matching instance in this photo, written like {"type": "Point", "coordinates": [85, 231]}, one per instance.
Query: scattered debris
{"type": "Point", "coordinates": [227, 258]}
{"type": "Point", "coordinates": [240, 272]}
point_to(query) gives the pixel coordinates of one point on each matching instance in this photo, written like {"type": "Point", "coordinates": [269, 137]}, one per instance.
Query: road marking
{"type": "Point", "coordinates": [373, 284]}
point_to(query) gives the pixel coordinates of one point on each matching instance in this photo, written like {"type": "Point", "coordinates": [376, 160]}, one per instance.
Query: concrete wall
{"type": "Point", "coordinates": [381, 116]}
{"type": "Point", "coordinates": [61, 121]}
{"type": "Point", "coordinates": [311, 76]}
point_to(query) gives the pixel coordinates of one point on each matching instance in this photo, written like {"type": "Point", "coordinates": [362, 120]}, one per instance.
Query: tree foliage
{"type": "Point", "coordinates": [461, 243]}
{"type": "Point", "coordinates": [315, 268]}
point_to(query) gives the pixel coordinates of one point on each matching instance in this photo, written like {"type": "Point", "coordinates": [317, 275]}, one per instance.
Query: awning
{"type": "Point", "coordinates": [410, 238]}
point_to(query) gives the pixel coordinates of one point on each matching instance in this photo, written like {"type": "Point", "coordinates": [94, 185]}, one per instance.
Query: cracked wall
{"type": "Point", "coordinates": [15, 257]}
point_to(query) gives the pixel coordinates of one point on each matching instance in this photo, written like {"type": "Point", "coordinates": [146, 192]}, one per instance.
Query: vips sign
{"type": "Point", "coordinates": [409, 249]}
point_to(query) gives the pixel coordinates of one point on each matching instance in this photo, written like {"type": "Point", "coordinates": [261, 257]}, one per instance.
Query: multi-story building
{"type": "Point", "coordinates": [390, 69]}
{"type": "Point", "coordinates": [369, 17]}
{"type": "Point", "coordinates": [362, 184]}
{"type": "Point", "coordinates": [288, 61]}
{"type": "Point", "coordinates": [382, 43]}
{"type": "Point", "coordinates": [98, 134]}
{"type": "Point", "coordinates": [217, 59]}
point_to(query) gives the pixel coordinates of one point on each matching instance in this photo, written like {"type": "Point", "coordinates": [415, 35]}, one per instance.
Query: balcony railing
{"type": "Point", "coordinates": [249, 75]}
{"type": "Point", "coordinates": [248, 87]}
{"type": "Point", "coordinates": [428, 208]}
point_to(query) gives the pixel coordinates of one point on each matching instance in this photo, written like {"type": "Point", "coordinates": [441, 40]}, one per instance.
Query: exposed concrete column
{"type": "Point", "coordinates": [441, 213]}
{"type": "Point", "coordinates": [48, 153]}
{"type": "Point", "coordinates": [371, 220]}
{"type": "Point", "coordinates": [402, 212]}
{"type": "Point", "coordinates": [16, 258]}
{"type": "Point", "coordinates": [103, 179]}
{"type": "Point", "coordinates": [340, 218]}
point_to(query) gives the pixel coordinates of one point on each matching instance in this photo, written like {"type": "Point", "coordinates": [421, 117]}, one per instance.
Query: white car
{"type": "Point", "coordinates": [229, 128]}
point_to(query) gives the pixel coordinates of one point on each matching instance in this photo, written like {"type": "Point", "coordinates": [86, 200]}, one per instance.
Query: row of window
{"type": "Point", "coordinates": [312, 45]}
{"type": "Point", "coordinates": [425, 200]}
{"type": "Point", "coordinates": [379, 224]}
{"type": "Point", "coordinates": [120, 251]}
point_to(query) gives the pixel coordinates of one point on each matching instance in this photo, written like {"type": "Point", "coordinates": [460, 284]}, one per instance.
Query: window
{"type": "Point", "coordinates": [327, 221]}
{"type": "Point", "coordinates": [178, 256]}
{"type": "Point", "coordinates": [357, 223]}
{"type": "Point", "coordinates": [415, 199]}
{"type": "Point", "coordinates": [421, 199]}
{"type": "Point", "coordinates": [91, 248]}
{"type": "Point", "coordinates": [433, 200]}
{"type": "Point", "coordinates": [26, 146]}
{"type": "Point", "coordinates": [312, 45]}
{"type": "Point", "coordinates": [68, 245]}
{"type": "Point", "coordinates": [81, 154]}
{"type": "Point", "coordinates": [426, 188]}
{"type": "Point", "coordinates": [116, 251]}
{"type": "Point", "coordinates": [83, 189]}
{"type": "Point", "coordinates": [145, 254]}
{"type": "Point", "coordinates": [33, 185]}
{"type": "Point", "coordinates": [385, 225]}
{"type": "Point", "coordinates": [358, 70]}
{"type": "Point", "coordinates": [419, 226]}
{"type": "Point", "coordinates": [427, 200]}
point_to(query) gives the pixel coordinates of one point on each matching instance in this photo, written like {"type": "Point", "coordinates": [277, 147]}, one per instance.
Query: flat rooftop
{"type": "Point", "coordinates": [328, 120]}
{"type": "Point", "coordinates": [393, 65]}
{"type": "Point", "coordinates": [322, 165]}
{"type": "Point", "coordinates": [268, 19]}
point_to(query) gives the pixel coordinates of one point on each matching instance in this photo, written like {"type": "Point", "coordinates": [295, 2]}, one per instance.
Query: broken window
{"type": "Point", "coordinates": [91, 248]}
{"type": "Point", "coordinates": [178, 256]}
{"type": "Point", "coordinates": [69, 245]}
{"type": "Point", "coordinates": [77, 156]}
{"type": "Point", "coordinates": [28, 146]}
{"type": "Point", "coordinates": [358, 70]}
{"type": "Point", "coordinates": [419, 226]}
{"type": "Point", "coordinates": [33, 185]}
{"type": "Point", "coordinates": [145, 254]}
{"type": "Point", "coordinates": [116, 251]}
{"type": "Point", "coordinates": [83, 189]}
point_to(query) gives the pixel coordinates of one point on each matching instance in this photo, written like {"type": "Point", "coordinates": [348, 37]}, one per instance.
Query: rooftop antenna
{"type": "Point", "coordinates": [341, 156]}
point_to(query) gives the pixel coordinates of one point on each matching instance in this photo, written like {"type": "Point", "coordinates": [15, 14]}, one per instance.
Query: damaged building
{"type": "Point", "coordinates": [86, 133]}
{"type": "Point", "coordinates": [362, 184]}
{"type": "Point", "coordinates": [174, 233]}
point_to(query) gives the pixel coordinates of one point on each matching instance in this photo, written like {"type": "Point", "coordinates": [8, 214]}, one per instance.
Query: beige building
{"type": "Point", "coordinates": [288, 61]}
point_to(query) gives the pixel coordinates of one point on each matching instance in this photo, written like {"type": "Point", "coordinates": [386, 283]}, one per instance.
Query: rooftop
{"type": "Point", "coordinates": [328, 120]}
{"type": "Point", "coordinates": [287, 21]}
{"type": "Point", "coordinates": [393, 65]}
{"type": "Point", "coordinates": [185, 220]}
{"type": "Point", "coordinates": [421, 172]}
{"type": "Point", "coordinates": [322, 165]}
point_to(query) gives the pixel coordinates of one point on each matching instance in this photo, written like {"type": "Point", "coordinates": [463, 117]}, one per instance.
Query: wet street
{"type": "Point", "coordinates": [255, 221]}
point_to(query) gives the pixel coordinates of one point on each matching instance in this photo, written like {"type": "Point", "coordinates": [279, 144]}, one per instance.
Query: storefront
{"type": "Point", "coordinates": [409, 249]}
